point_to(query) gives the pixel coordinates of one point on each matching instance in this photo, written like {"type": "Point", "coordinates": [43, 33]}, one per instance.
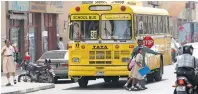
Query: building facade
{"type": "Point", "coordinates": [3, 22]}
{"type": "Point", "coordinates": [32, 26]}
{"type": "Point", "coordinates": [63, 20]}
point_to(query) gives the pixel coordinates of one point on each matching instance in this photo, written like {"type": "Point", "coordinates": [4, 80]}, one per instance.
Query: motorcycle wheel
{"type": "Point", "coordinates": [25, 78]}
{"type": "Point", "coordinates": [46, 78]}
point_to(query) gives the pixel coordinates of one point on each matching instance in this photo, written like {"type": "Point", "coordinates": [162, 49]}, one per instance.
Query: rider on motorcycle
{"type": "Point", "coordinates": [188, 64]}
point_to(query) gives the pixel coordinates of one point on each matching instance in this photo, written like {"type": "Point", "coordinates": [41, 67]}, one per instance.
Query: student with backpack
{"type": "Point", "coordinates": [145, 50]}
{"type": "Point", "coordinates": [135, 65]}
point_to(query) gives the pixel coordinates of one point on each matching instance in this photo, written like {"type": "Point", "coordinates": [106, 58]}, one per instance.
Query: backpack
{"type": "Point", "coordinates": [131, 64]}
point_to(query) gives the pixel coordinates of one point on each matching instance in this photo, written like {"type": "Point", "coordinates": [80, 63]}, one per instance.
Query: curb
{"type": "Point", "coordinates": [31, 89]}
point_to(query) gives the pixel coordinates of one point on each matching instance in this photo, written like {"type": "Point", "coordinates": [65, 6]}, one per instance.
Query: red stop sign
{"type": "Point", "coordinates": [148, 41]}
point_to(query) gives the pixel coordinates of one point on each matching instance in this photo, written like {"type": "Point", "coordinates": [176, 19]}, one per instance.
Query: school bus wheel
{"type": "Point", "coordinates": [158, 74]}
{"type": "Point", "coordinates": [115, 79]}
{"type": "Point", "coordinates": [149, 78]}
{"type": "Point", "coordinates": [107, 79]}
{"type": "Point", "coordinates": [83, 82]}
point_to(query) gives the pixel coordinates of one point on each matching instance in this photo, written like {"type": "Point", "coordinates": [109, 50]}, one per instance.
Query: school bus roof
{"type": "Point", "coordinates": [84, 8]}
{"type": "Point", "coordinates": [148, 10]}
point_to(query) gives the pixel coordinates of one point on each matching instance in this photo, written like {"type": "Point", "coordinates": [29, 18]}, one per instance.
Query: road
{"type": "Point", "coordinates": [99, 87]}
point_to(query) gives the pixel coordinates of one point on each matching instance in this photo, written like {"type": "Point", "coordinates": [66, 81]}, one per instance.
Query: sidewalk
{"type": "Point", "coordinates": [22, 87]}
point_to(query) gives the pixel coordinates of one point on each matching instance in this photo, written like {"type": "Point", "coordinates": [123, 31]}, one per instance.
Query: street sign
{"type": "Point", "coordinates": [148, 41]}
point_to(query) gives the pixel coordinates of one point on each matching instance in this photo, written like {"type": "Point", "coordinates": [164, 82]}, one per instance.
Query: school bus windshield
{"type": "Point", "coordinates": [116, 26]}
{"type": "Point", "coordinates": [86, 30]}
{"type": "Point", "coordinates": [84, 27]}
{"type": "Point", "coordinates": [113, 29]}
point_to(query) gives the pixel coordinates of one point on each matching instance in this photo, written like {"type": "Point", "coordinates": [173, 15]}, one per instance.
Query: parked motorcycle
{"type": "Point", "coordinates": [36, 73]}
{"type": "Point", "coordinates": [183, 86]}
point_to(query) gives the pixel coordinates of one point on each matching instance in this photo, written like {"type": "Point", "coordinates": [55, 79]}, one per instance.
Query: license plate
{"type": "Point", "coordinates": [99, 73]}
{"type": "Point", "coordinates": [181, 88]}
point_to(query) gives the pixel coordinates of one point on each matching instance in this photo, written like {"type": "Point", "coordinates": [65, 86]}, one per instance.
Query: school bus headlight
{"type": "Point", "coordinates": [75, 59]}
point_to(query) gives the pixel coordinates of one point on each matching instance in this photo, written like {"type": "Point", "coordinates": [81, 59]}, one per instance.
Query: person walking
{"type": "Point", "coordinates": [145, 50]}
{"type": "Point", "coordinates": [60, 44]}
{"type": "Point", "coordinates": [134, 74]}
{"type": "Point", "coordinates": [9, 66]}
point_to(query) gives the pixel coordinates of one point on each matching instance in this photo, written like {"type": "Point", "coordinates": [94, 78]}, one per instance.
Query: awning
{"type": "Point", "coordinates": [18, 16]}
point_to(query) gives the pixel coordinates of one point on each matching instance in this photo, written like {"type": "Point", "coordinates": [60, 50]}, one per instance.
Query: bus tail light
{"type": "Point", "coordinates": [173, 50]}
{"type": "Point", "coordinates": [83, 46]}
{"type": "Point", "coordinates": [77, 8]}
{"type": "Point", "coordinates": [68, 46]}
{"type": "Point", "coordinates": [116, 46]}
{"type": "Point", "coordinates": [131, 46]}
{"type": "Point", "coordinates": [123, 8]}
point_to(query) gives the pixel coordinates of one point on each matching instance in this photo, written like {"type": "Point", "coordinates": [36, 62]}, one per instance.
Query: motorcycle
{"type": "Point", "coordinates": [37, 73]}
{"type": "Point", "coordinates": [183, 86]}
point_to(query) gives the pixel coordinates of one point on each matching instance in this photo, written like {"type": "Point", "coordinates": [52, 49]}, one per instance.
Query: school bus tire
{"type": "Point", "coordinates": [149, 78]}
{"type": "Point", "coordinates": [83, 82]}
{"type": "Point", "coordinates": [115, 79]}
{"type": "Point", "coordinates": [158, 74]}
{"type": "Point", "coordinates": [107, 80]}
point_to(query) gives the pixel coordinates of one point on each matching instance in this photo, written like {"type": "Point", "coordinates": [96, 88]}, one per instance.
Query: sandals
{"type": "Point", "coordinates": [15, 81]}
{"type": "Point", "coordinates": [136, 88]}
{"type": "Point", "coordinates": [133, 89]}
{"type": "Point", "coordinates": [126, 87]}
{"type": "Point", "coordinates": [140, 88]}
{"type": "Point", "coordinates": [8, 84]}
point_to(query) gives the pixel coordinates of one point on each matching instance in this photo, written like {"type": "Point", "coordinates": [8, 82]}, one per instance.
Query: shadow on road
{"type": "Point", "coordinates": [156, 81]}
{"type": "Point", "coordinates": [105, 86]}
{"type": "Point", "coordinates": [64, 82]}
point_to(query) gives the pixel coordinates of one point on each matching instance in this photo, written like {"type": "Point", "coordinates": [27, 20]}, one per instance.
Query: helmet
{"type": "Point", "coordinates": [140, 39]}
{"type": "Point", "coordinates": [188, 49]}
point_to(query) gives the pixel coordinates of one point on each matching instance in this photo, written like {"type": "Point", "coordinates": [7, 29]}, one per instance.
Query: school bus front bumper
{"type": "Point", "coordinates": [118, 70]}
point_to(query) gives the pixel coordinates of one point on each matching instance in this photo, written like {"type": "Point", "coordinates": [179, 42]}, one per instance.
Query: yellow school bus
{"type": "Point", "coordinates": [102, 38]}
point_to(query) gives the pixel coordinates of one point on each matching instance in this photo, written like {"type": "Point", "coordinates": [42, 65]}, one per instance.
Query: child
{"type": "Point", "coordinates": [135, 75]}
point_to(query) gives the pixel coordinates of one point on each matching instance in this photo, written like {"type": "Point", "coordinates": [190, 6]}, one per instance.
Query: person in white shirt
{"type": "Point", "coordinates": [60, 44]}
{"type": "Point", "coordinates": [8, 61]}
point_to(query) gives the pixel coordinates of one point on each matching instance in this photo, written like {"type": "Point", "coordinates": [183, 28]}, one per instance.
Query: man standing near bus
{"type": "Point", "coordinates": [145, 50]}
{"type": "Point", "coordinates": [8, 61]}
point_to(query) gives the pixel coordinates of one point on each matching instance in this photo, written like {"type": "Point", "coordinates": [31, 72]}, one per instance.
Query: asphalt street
{"type": "Point", "coordinates": [100, 87]}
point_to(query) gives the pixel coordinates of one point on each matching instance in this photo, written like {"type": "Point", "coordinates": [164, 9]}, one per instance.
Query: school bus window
{"type": "Point", "coordinates": [170, 25]}
{"type": "Point", "coordinates": [164, 24]}
{"type": "Point", "coordinates": [136, 25]}
{"type": "Point", "coordinates": [159, 26]}
{"type": "Point", "coordinates": [140, 24]}
{"type": "Point", "coordinates": [145, 25]}
{"type": "Point", "coordinates": [154, 24]}
{"type": "Point", "coordinates": [86, 30]}
{"type": "Point", "coordinates": [167, 27]}
{"type": "Point", "coordinates": [150, 25]}
{"type": "Point", "coordinates": [116, 29]}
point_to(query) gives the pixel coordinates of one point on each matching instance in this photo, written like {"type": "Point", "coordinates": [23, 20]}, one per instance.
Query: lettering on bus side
{"type": "Point", "coordinates": [99, 47]}
{"type": "Point", "coordinates": [84, 17]}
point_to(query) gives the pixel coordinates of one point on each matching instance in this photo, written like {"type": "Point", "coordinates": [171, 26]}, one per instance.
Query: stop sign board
{"type": "Point", "coordinates": [148, 41]}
